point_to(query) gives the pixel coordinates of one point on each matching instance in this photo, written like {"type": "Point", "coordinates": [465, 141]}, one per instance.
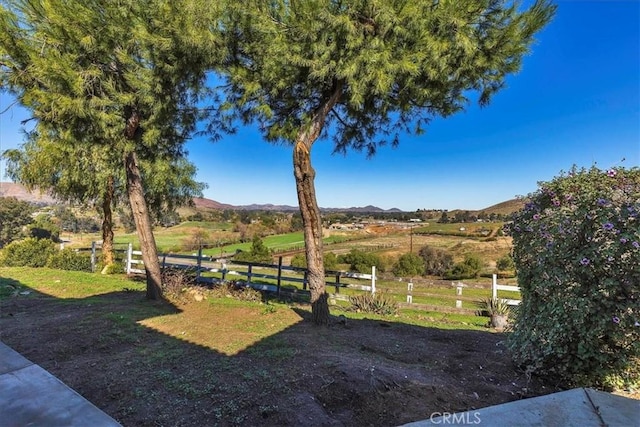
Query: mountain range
{"type": "Point", "coordinates": [212, 204]}
{"type": "Point", "coordinates": [10, 189]}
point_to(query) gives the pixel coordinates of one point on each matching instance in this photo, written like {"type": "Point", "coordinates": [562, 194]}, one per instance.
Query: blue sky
{"type": "Point", "coordinates": [576, 101]}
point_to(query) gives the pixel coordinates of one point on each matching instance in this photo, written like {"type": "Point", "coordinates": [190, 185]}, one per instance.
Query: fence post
{"type": "Point", "coordinates": [459, 292]}
{"type": "Point", "coordinates": [249, 272]}
{"type": "Point", "coordinates": [304, 281]}
{"type": "Point", "coordinates": [337, 282]}
{"type": "Point", "coordinates": [129, 255]}
{"type": "Point", "coordinates": [279, 274]}
{"type": "Point", "coordinates": [199, 264]}
{"type": "Point", "coordinates": [93, 257]}
{"type": "Point", "coordinates": [494, 286]}
{"type": "Point", "coordinates": [373, 279]}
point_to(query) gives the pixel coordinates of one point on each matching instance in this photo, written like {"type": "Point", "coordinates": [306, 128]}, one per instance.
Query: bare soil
{"type": "Point", "coordinates": [218, 363]}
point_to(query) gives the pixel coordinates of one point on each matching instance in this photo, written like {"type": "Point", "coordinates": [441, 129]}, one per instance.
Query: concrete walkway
{"type": "Point", "coordinates": [579, 407]}
{"type": "Point", "coordinates": [31, 396]}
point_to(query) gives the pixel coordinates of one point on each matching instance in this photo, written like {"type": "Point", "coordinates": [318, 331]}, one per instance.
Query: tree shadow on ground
{"type": "Point", "coordinates": [116, 351]}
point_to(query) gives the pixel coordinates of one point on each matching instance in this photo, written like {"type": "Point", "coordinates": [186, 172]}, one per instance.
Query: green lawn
{"type": "Point", "coordinates": [77, 285]}
{"type": "Point", "coordinates": [276, 242]}
{"type": "Point", "coordinates": [62, 283]}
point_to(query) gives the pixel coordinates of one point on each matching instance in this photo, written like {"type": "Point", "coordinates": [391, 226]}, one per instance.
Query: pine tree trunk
{"type": "Point", "coordinates": [311, 219]}
{"type": "Point", "coordinates": [107, 226]}
{"type": "Point", "coordinates": [312, 222]}
{"type": "Point", "coordinates": [143, 226]}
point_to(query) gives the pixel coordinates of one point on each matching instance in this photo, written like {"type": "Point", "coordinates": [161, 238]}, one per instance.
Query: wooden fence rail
{"type": "Point", "coordinates": [207, 268]}
{"type": "Point", "coordinates": [281, 279]}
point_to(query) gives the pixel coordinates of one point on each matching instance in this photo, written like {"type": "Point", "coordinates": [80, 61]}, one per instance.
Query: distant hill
{"type": "Point", "coordinates": [505, 208]}
{"type": "Point", "coordinates": [365, 209]}
{"type": "Point", "coordinates": [210, 204]}
{"type": "Point", "coordinates": [10, 189]}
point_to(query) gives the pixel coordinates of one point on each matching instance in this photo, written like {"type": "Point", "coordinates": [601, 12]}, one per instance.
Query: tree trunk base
{"type": "Point", "coordinates": [320, 310]}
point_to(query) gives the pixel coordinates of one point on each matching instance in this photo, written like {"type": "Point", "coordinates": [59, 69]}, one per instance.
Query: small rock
{"type": "Point", "coordinates": [198, 297]}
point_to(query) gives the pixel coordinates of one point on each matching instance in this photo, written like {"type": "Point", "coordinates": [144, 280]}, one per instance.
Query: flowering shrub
{"type": "Point", "coordinates": [577, 255]}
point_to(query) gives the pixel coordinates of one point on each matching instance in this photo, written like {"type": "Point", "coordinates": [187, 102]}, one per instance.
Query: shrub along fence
{"type": "Point", "coordinates": [277, 278]}
{"type": "Point", "coordinates": [96, 252]}
{"type": "Point", "coordinates": [292, 282]}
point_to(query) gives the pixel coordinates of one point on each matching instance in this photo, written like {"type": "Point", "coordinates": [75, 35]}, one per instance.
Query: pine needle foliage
{"type": "Point", "coordinates": [113, 79]}
{"type": "Point", "coordinates": [396, 64]}
{"type": "Point", "coordinates": [361, 73]}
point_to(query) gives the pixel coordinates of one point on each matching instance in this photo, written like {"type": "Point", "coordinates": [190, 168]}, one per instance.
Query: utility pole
{"type": "Point", "coordinates": [411, 238]}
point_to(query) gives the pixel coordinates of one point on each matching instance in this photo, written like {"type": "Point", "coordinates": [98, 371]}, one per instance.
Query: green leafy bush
{"type": "Point", "coordinates": [408, 265]}
{"type": "Point", "coordinates": [577, 253]}
{"type": "Point", "coordinates": [360, 260]}
{"type": "Point", "coordinates": [14, 215]}
{"type": "Point", "coordinates": [29, 252]}
{"type": "Point", "coordinates": [378, 303]}
{"type": "Point", "coordinates": [258, 253]}
{"type": "Point", "coordinates": [299, 261]}
{"type": "Point", "coordinates": [468, 269]}
{"type": "Point", "coordinates": [68, 259]}
{"type": "Point", "coordinates": [44, 228]}
{"type": "Point", "coordinates": [505, 263]}
{"type": "Point", "coordinates": [117, 267]}
{"type": "Point", "coordinates": [330, 261]}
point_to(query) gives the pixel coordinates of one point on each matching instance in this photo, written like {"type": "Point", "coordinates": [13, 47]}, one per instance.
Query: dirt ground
{"type": "Point", "coordinates": [151, 365]}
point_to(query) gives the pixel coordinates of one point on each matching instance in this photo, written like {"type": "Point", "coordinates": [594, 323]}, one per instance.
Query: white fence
{"type": "Point", "coordinates": [248, 272]}
{"type": "Point", "coordinates": [495, 287]}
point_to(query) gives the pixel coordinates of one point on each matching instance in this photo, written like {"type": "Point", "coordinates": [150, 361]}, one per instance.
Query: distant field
{"type": "Point", "coordinates": [461, 229]}
{"type": "Point", "coordinates": [277, 242]}
{"type": "Point", "coordinates": [391, 242]}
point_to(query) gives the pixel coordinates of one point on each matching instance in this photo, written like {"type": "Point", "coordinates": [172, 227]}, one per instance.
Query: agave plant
{"type": "Point", "coordinates": [497, 309]}
{"type": "Point", "coordinates": [495, 306]}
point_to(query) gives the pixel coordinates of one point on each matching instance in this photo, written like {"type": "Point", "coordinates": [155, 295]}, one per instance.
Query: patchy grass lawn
{"type": "Point", "coordinates": [224, 362]}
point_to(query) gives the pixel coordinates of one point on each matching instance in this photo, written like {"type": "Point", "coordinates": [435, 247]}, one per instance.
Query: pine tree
{"type": "Point", "coordinates": [92, 176]}
{"type": "Point", "coordinates": [361, 72]}
{"type": "Point", "coordinates": [122, 75]}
